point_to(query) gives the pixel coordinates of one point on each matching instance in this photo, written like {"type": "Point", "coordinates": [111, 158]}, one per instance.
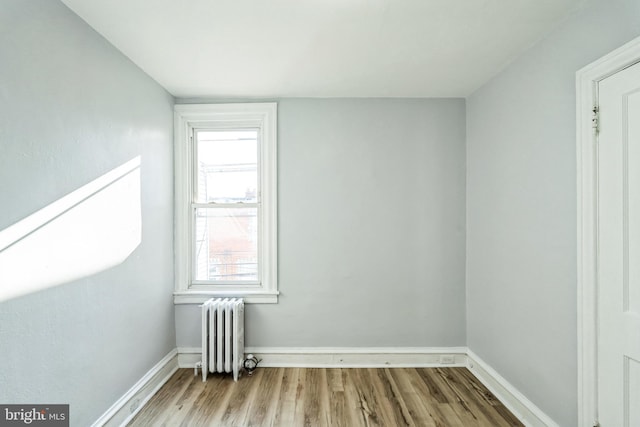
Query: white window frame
{"type": "Point", "coordinates": [261, 116]}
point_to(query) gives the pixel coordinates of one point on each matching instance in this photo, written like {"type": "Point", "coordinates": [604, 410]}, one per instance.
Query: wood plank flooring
{"type": "Point", "coordinates": [290, 397]}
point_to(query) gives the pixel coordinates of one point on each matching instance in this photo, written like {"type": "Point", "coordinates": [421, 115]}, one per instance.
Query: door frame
{"type": "Point", "coordinates": [587, 80]}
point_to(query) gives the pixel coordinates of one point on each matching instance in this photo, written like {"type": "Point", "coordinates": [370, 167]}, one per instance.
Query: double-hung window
{"type": "Point", "coordinates": [225, 184]}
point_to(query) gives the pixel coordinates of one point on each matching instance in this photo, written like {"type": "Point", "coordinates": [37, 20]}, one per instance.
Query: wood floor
{"type": "Point", "coordinates": [327, 397]}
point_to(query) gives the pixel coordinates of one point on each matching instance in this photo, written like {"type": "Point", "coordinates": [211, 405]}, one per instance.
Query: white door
{"type": "Point", "coordinates": [619, 250]}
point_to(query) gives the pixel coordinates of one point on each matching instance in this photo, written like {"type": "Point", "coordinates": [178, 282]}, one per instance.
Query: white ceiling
{"type": "Point", "coordinates": [322, 48]}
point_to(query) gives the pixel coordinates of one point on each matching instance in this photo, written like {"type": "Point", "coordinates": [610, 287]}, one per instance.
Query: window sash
{"type": "Point", "coordinates": [218, 127]}
{"type": "Point", "coordinates": [194, 260]}
{"type": "Point", "coordinates": [196, 204]}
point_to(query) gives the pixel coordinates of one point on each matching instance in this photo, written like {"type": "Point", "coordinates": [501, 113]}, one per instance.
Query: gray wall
{"type": "Point", "coordinates": [521, 208]}
{"type": "Point", "coordinates": [71, 109]}
{"type": "Point", "coordinates": [371, 218]}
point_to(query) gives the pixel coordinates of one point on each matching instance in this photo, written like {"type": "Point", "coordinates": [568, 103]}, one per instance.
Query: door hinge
{"type": "Point", "coordinates": [595, 124]}
{"type": "Point", "coordinates": [597, 424]}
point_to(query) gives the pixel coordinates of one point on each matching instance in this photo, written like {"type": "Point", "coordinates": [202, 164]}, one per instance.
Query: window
{"type": "Point", "coordinates": [225, 184]}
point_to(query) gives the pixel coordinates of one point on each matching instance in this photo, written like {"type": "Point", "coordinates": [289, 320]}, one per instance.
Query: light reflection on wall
{"type": "Point", "coordinates": [88, 231]}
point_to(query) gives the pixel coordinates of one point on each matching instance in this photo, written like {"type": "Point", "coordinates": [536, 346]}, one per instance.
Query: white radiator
{"type": "Point", "coordinates": [222, 336]}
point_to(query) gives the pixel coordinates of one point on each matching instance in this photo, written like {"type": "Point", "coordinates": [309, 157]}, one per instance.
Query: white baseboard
{"type": "Point", "coordinates": [121, 412]}
{"type": "Point", "coordinates": [344, 357]}
{"type": "Point", "coordinates": [528, 413]}
{"type": "Point", "coordinates": [189, 356]}
{"type": "Point", "coordinates": [372, 357]}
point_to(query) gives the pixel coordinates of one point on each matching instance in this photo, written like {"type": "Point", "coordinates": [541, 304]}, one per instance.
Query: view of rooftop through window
{"type": "Point", "coordinates": [226, 226]}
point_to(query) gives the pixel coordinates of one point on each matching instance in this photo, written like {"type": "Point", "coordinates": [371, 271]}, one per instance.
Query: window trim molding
{"type": "Point", "coordinates": [186, 118]}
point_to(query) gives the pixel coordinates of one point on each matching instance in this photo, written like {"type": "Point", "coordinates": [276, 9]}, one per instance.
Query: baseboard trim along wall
{"type": "Point", "coordinates": [121, 412]}
{"type": "Point", "coordinates": [528, 413]}
{"type": "Point", "coordinates": [372, 357]}
{"type": "Point", "coordinates": [344, 357]}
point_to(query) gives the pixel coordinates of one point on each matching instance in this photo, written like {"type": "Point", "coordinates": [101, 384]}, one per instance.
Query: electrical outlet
{"type": "Point", "coordinates": [447, 359]}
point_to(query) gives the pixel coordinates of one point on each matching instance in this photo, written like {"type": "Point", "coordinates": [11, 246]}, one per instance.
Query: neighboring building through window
{"type": "Point", "coordinates": [226, 202]}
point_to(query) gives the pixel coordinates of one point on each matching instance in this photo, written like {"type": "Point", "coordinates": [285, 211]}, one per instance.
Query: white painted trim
{"type": "Point", "coordinates": [193, 116]}
{"type": "Point", "coordinates": [356, 350]}
{"type": "Point", "coordinates": [125, 408]}
{"type": "Point", "coordinates": [344, 357]}
{"type": "Point", "coordinates": [199, 297]}
{"type": "Point", "coordinates": [587, 168]}
{"type": "Point", "coordinates": [189, 356]}
{"type": "Point", "coordinates": [528, 413]}
{"type": "Point", "coordinates": [367, 357]}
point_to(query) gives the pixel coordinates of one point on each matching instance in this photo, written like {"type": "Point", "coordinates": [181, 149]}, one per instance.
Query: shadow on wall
{"type": "Point", "coordinates": [88, 231]}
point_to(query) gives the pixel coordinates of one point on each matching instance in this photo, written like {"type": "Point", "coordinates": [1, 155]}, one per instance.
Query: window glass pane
{"type": "Point", "coordinates": [227, 166]}
{"type": "Point", "coordinates": [226, 243]}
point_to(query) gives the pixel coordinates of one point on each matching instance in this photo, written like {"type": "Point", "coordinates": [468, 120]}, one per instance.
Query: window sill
{"type": "Point", "coordinates": [199, 297]}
